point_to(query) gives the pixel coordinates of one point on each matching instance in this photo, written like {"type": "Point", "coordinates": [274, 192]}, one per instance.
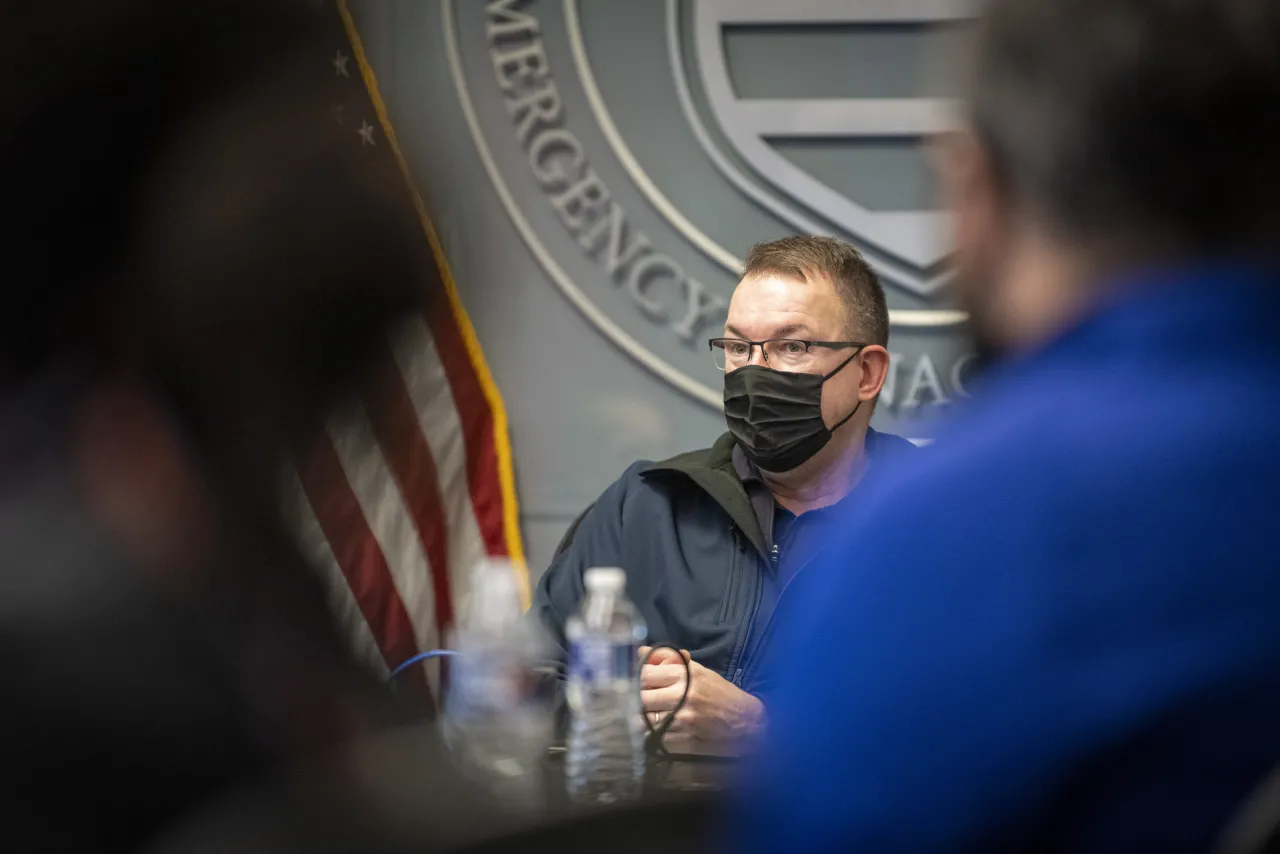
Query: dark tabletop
{"type": "Point", "coordinates": [401, 792]}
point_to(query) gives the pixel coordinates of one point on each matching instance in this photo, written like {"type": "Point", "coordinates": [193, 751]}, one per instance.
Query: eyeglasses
{"type": "Point", "coordinates": [784, 354]}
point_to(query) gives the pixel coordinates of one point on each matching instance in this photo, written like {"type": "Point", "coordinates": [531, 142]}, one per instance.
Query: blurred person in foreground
{"type": "Point", "coordinates": [202, 266]}
{"type": "Point", "coordinates": [710, 538]}
{"type": "Point", "coordinates": [1079, 649]}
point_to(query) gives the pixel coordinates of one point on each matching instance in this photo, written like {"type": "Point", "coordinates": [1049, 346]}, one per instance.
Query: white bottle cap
{"type": "Point", "coordinates": [605, 579]}
{"type": "Point", "coordinates": [494, 598]}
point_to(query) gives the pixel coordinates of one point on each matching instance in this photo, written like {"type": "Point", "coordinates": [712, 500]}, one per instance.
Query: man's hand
{"type": "Point", "coordinates": [716, 709]}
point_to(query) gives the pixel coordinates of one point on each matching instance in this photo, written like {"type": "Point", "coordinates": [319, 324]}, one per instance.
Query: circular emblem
{"type": "Point", "coordinates": [641, 149]}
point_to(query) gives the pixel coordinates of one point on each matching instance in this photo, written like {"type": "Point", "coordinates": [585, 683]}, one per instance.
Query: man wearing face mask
{"type": "Point", "coordinates": [711, 539]}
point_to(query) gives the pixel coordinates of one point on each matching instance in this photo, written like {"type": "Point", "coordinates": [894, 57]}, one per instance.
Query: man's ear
{"type": "Point", "coordinates": [971, 190]}
{"type": "Point", "coordinates": [988, 232]}
{"type": "Point", "coordinates": [966, 175]}
{"type": "Point", "coordinates": [875, 370]}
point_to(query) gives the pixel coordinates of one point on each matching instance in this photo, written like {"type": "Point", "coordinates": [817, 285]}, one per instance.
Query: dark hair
{"type": "Point", "coordinates": [1136, 125]}
{"type": "Point", "coordinates": [806, 256]}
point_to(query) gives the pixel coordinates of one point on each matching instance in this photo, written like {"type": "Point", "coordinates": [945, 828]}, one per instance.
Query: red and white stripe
{"type": "Point", "coordinates": [405, 499]}
{"type": "Point", "coordinates": [410, 493]}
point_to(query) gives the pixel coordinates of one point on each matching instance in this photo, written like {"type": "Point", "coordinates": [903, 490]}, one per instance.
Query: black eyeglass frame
{"type": "Point", "coordinates": [751, 345]}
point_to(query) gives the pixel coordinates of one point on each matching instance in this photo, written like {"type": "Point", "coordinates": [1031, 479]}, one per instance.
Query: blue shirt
{"type": "Point", "coordinates": [1059, 627]}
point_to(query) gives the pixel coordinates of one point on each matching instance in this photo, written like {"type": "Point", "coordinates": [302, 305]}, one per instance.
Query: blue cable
{"type": "Point", "coordinates": [422, 656]}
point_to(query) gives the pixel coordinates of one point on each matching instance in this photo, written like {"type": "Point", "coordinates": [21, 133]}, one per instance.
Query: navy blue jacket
{"type": "Point", "coordinates": [1074, 645]}
{"type": "Point", "coordinates": [697, 559]}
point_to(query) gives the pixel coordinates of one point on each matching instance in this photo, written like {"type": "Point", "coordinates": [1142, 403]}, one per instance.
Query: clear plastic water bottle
{"type": "Point", "coordinates": [605, 761]}
{"type": "Point", "coordinates": [496, 724]}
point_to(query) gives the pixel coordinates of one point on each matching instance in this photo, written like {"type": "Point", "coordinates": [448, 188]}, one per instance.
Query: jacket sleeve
{"type": "Point", "coordinates": [596, 541]}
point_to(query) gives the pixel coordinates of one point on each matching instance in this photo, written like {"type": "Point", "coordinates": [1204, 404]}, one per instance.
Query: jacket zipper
{"type": "Point", "coordinates": [764, 634]}
{"type": "Point", "coordinates": [740, 671]}
{"type": "Point", "coordinates": [751, 621]}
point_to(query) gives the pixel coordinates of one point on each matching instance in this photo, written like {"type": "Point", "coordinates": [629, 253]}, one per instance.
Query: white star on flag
{"type": "Point", "coordinates": [340, 61]}
{"type": "Point", "coordinates": [414, 486]}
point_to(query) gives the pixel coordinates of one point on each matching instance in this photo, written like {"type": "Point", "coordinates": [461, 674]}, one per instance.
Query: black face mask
{"type": "Point", "coordinates": [776, 416]}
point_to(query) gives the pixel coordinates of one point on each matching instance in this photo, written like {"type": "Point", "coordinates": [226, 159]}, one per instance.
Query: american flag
{"type": "Point", "coordinates": [407, 496]}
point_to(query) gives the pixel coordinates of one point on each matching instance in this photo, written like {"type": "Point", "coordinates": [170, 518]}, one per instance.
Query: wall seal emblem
{"type": "Point", "coordinates": [641, 148]}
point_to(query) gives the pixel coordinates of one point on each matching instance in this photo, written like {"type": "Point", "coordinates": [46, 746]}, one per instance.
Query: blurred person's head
{"type": "Point", "coordinates": [1105, 135]}
{"type": "Point", "coordinates": [800, 402]}
{"type": "Point", "coordinates": [196, 234]}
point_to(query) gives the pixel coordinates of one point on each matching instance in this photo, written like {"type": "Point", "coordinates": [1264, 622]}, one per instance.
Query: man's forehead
{"type": "Point", "coordinates": [779, 300]}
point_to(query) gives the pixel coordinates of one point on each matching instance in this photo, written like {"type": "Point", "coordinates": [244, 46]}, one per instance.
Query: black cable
{"type": "Point", "coordinates": [653, 741]}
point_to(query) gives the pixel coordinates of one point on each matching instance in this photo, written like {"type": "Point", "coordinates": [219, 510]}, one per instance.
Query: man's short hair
{"type": "Point", "coordinates": [1135, 126]}
{"type": "Point", "coordinates": [807, 257]}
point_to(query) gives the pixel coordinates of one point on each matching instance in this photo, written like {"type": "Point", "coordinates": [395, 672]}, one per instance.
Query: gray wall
{"type": "Point", "coordinates": [576, 349]}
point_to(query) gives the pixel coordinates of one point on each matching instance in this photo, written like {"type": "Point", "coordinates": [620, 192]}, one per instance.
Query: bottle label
{"type": "Point", "coordinates": [480, 685]}
{"type": "Point", "coordinates": [600, 662]}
